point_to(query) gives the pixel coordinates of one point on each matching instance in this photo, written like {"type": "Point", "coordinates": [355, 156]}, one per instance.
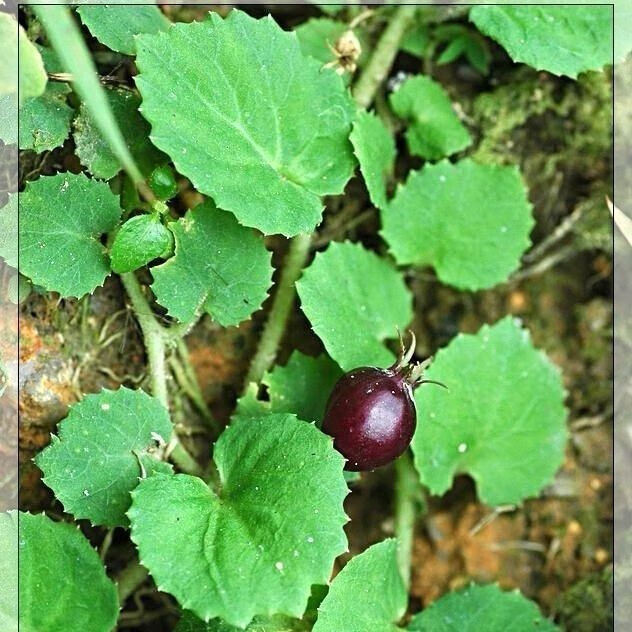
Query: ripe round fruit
{"type": "Point", "coordinates": [371, 412]}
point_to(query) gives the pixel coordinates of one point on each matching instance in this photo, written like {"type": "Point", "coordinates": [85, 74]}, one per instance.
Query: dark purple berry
{"type": "Point", "coordinates": [371, 412]}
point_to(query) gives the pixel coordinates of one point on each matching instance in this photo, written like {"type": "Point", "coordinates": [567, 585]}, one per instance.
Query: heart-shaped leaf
{"type": "Point", "coordinates": [63, 585]}
{"type": "Point", "coordinates": [273, 528]}
{"type": "Point", "coordinates": [470, 221]}
{"type": "Point", "coordinates": [481, 609]}
{"type": "Point", "coordinates": [368, 594]}
{"type": "Point", "coordinates": [561, 40]}
{"type": "Point", "coordinates": [219, 267]}
{"type": "Point", "coordinates": [248, 118]}
{"type": "Point", "coordinates": [367, 305]}
{"type": "Point", "coordinates": [62, 218]}
{"type": "Point", "coordinates": [104, 446]}
{"type": "Point", "coordinates": [502, 420]}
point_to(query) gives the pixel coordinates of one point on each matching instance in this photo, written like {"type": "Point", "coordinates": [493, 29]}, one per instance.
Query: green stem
{"type": "Point", "coordinates": [154, 337]}
{"type": "Point", "coordinates": [383, 56]}
{"type": "Point", "coordinates": [281, 306]}
{"type": "Point", "coordinates": [129, 579]}
{"type": "Point", "coordinates": [183, 459]}
{"type": "Point", "coordinates": [407, 497]}
{"type": "Point", "coordinates": [180, 330]}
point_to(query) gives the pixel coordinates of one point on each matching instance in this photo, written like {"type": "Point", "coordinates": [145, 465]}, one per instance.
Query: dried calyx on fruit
{"type": "Point", "coordinates": [371, 412]}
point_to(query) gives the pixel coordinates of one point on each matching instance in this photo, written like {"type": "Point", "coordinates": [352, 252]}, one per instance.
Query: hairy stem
{"type": "Point", "coordinates": [281, 306]}
{"type": "Point", "coordinates": [129, 579]}
{"type": "Point", "coordinates": [383, 56]}
{"type": "Point", "coordinates": [154, 337]}
{"type": "Point", "coordinates": [407, 498]}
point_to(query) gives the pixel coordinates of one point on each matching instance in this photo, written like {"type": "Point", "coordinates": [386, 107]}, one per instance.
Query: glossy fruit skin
{"type": "Point", "coordinates": [163, 182]}
{"type": "Point", "coordinates": [372, 417]}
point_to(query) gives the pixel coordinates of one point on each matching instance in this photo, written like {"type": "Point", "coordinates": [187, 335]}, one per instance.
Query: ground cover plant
{"type": "Point", "coordinates": [226, 216]}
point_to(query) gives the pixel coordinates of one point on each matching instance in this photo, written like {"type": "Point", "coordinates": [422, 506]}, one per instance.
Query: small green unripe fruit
{"type": "Point", "coordinates": [163, 182]}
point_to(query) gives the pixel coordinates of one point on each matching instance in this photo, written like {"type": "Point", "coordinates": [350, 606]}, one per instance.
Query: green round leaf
{"type": "Point", "coordinates": [9, 231]}
{"type": "Point", "coordinates": [368, 594]}
{"type": "Point", "coordinates": [116, 26]}
{"type": "Point", "coordinates": [9, 571]}
{"type": "Point", "coordinates": [471, 222]}
{"type": "Point", "coordinates": [274, 125]}
{"type": "Point", "coordinates": [375, 149]}
{"type": "Point", "coordinates": [219, 267]}
{"type": "Point", "coordinates": [62, 218]}
{"type": "Point", "coordinates": [561, 40]}
{"type": "Point", "coordinates": [502, 420]}
{"type": "Point", "coordinates": [256, 548]}
{"type": "Point", "coordinates": [104, 446]}
{"type": "Point", "coordinates": [301, 387]}
{"type": "Point", "coordinates": [354, 301]}
{"type": "Point", "coordinates": [63, 585]}
{"type": "Point", "coordinates": [44, 121]}
{"type": "Point", "coordinates": [140, 240]}
{"type": "Point", "coordinates": [434, 129]}
{"type": "Point", "coordinates": [481, 609]}
{"type": "Point", "coordinates": [95, 152]}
